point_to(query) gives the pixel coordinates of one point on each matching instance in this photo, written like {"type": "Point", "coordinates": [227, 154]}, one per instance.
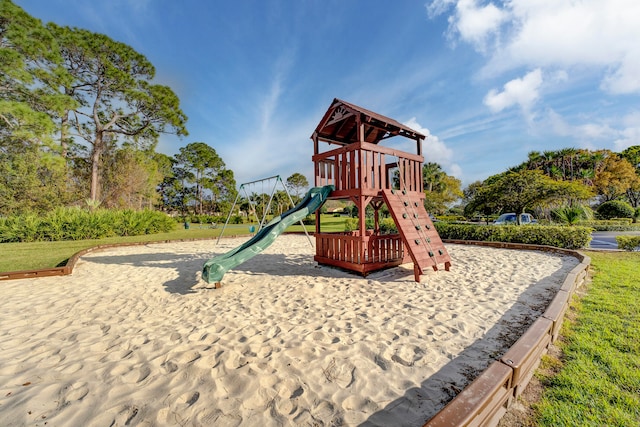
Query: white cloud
{"type": "Point", "coordinates": [624, 133]}
{"type": "Point", "coordinates": [475, 23]}
{"type": "Point", "coordinates": [564, 34]}
{"type": "Point", "coordinates": [630, 135]}
{"type": "Point", "coordinates": [435, 150]}
{"type": "Point", "coordinates": [523, 92]}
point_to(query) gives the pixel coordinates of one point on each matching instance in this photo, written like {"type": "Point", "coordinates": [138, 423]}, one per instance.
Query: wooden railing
{"type": "Point", "coordinates": [366, 167]}
{"type": "Point", "coordinates": [354, 249]}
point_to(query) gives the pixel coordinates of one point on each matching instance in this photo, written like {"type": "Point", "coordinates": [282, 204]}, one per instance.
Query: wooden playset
{"type": "Point", "coordinates": [368, 174]}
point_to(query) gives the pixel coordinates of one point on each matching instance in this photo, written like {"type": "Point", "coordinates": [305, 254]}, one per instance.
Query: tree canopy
{"type": "Point", "coordinates": [77, 109]}
{"type": "Point", "coordinates": [297, 184]}
{"type": "Point", "coordinates": [517, 191]}
{"type": "Point", "coordinates": [440, 189]}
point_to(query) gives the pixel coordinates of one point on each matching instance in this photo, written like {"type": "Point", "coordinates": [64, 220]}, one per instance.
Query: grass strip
{"type": "Point", "coordinates": [35, 255]}
{"type": "Point", "coordinates": [599, 381]}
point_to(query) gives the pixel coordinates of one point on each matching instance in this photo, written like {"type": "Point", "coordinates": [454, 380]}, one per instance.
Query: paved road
{"type": "Point", "coordinates": [607, 239]}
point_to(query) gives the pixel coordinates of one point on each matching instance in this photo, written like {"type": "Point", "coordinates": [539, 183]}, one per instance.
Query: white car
{"type": "Point", "coordinates": [511, 219]}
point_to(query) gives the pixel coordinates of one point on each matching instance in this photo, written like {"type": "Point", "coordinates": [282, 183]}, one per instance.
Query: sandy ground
{"type": "Point", "coordinates": [134, 337]}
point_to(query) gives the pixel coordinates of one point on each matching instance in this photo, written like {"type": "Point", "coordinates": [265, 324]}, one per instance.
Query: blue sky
{"type": "Point", "coordinates": [488, 82]}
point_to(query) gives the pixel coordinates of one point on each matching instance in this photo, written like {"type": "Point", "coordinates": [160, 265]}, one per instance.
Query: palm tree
{"type": "Point", "coordinates": [571, 215]}
{"type": "Point", "coordinates": [432, 176]}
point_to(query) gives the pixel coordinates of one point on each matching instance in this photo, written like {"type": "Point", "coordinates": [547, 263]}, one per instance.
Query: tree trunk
{"type": "Point", "coordinates": [64, 125]}
{"type": "Point", "coordinates": [98, 148]}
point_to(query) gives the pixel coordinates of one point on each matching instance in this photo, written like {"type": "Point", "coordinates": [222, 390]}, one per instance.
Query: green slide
{"type": "Point", "coordinates": [215, 268]}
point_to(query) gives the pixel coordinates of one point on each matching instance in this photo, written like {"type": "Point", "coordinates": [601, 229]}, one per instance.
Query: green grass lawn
{"type": "Point", "coordinates": [30, 256]}
{"type": "Point", "coordinates": [599, 379]}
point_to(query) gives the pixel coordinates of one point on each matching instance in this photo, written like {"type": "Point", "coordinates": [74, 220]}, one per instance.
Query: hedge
{"type": "Point", "coordinates": [79, 224]}
{"type": "Point", "coordinates": [619, 224]}
{"type": "Point", "coordinates": [558, 236]}
{"type": "Point", "coordinates": [628, 243]}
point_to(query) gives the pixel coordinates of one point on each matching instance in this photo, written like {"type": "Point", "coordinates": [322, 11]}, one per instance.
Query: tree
{"type": "Point", "coordinates": [32, 171]}
{"type": "Point", "coordinates": [632, 155]}
{"type": "Point", "coordinates": [29, 61]}
{"type": "Point", "coordinates": [297, 184]}
{"type": "Point", "coordinates": [517, 191]}
{"type": "Point", "coordinates": [440, 188]}
{"type": "Point", "coordinates": [130, 178]}
{"type": "Point", "coordinates": [223, 190]}
{"type": "Point", "coordinates": [200, 165]}
{"type": "Point", "coordinates": [111, 84]}
{"type": "Point", "coordinates": [615, 178]}
{"type": "Point", "coordinates": [280, 202]}
{"type": "Point", "coordinates": [476, 200]}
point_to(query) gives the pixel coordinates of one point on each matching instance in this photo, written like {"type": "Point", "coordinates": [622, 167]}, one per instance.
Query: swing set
{"type": "Point", "coordinates": [264, 182]}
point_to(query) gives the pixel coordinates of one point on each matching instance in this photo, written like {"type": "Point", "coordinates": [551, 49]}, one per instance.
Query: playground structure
{"type": "Point", "coordinates": [362, 171]}
{"type": "Point", "coordinates": [367, 174]}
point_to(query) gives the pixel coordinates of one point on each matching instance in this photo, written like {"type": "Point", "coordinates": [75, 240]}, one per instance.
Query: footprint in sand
{"type": "Point", "coordinates": [189, 398]}
{"type": "Point", "coordinates": [51, 361]}
{"type": "Point", "coordinates": [136, 375]}
{"type": "Point", "coordinates": [77, 391]}
{"type": "Point", "coordinates": [188, 357]}
{"type": "Point", "coordinates": [70, 368]}
{"type": "Point", "coordinates": [125, 416]}
{"type": "Point", "coordinates": [273, 332]}
{"type": "Point", "coordinates": [170, 366]}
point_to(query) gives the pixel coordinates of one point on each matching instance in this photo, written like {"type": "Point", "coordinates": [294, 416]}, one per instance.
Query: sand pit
{"type": "Point", "coordinates": [134, 338]}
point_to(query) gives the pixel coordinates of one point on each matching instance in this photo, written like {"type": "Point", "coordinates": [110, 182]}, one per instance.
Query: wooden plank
{"type": "Point", "coordinates": [481, 403]}
{"type": "Point", "coordinates": [524, 356]}
{"type": "Point", "coordinates": [43, 272]}
{"type": "Point", "coordinates": [555, 312]}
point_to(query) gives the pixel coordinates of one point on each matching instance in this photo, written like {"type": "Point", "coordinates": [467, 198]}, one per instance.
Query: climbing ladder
{"type": "Point", "coordinates": [420, 237]}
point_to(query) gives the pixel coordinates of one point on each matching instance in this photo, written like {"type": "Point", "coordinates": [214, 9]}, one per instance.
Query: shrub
{"type": "Point", "coordinates": [615, 209]}
{"type": "Point", "coordinates": [562, 237]}
{"type": "Point", "coordinates": [611, 225]}
{"type": "Point", "coordinates": [628, 243]}
{"type": "Point", "coordinates": [236, 219]}
{"type": "Point", "coordinates": [351, 224]}
{"type": "Point", "coordinates": [571, 215]}
{"type": "Point", "coordinates": [388, 226]}
{"type": "Point", "coordinates": [451, 218]}
{"type": "Point", "coordinates": [77, 224]}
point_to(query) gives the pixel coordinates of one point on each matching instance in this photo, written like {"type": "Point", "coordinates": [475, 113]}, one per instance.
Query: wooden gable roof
{"type": "Point", "coordinates": [341, 122]}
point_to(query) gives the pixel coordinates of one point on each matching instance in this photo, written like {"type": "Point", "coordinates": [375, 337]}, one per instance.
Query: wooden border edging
{"type": "Point", "coordinates": [483, 402]}
{"type": "Point", "coordinates": [487, 398]}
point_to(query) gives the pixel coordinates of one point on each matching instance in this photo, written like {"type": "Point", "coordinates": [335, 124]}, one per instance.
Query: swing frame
{"type": "Point", "coordinates": [243, 187]}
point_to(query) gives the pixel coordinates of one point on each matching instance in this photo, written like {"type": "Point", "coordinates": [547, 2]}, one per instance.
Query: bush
{"type": "Point", "coordinates": [451, 218]}
{"type": "Point", "coordinates": [615, 209]}
{"type": "Point", "coordinates": [628, 243]}
{"type": "Point", "coordinates": [236, 219]}
{"type": "Point", "coordinates": [388, 226]}
{"type": "Point", "coordinates": [351, 224]}
{"type": "Point", "coordinates": [78, 224]}
{"type": "Point", "coordinates": [617, 224]}
{"type": "Point", "coordinates": [561, 237]}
